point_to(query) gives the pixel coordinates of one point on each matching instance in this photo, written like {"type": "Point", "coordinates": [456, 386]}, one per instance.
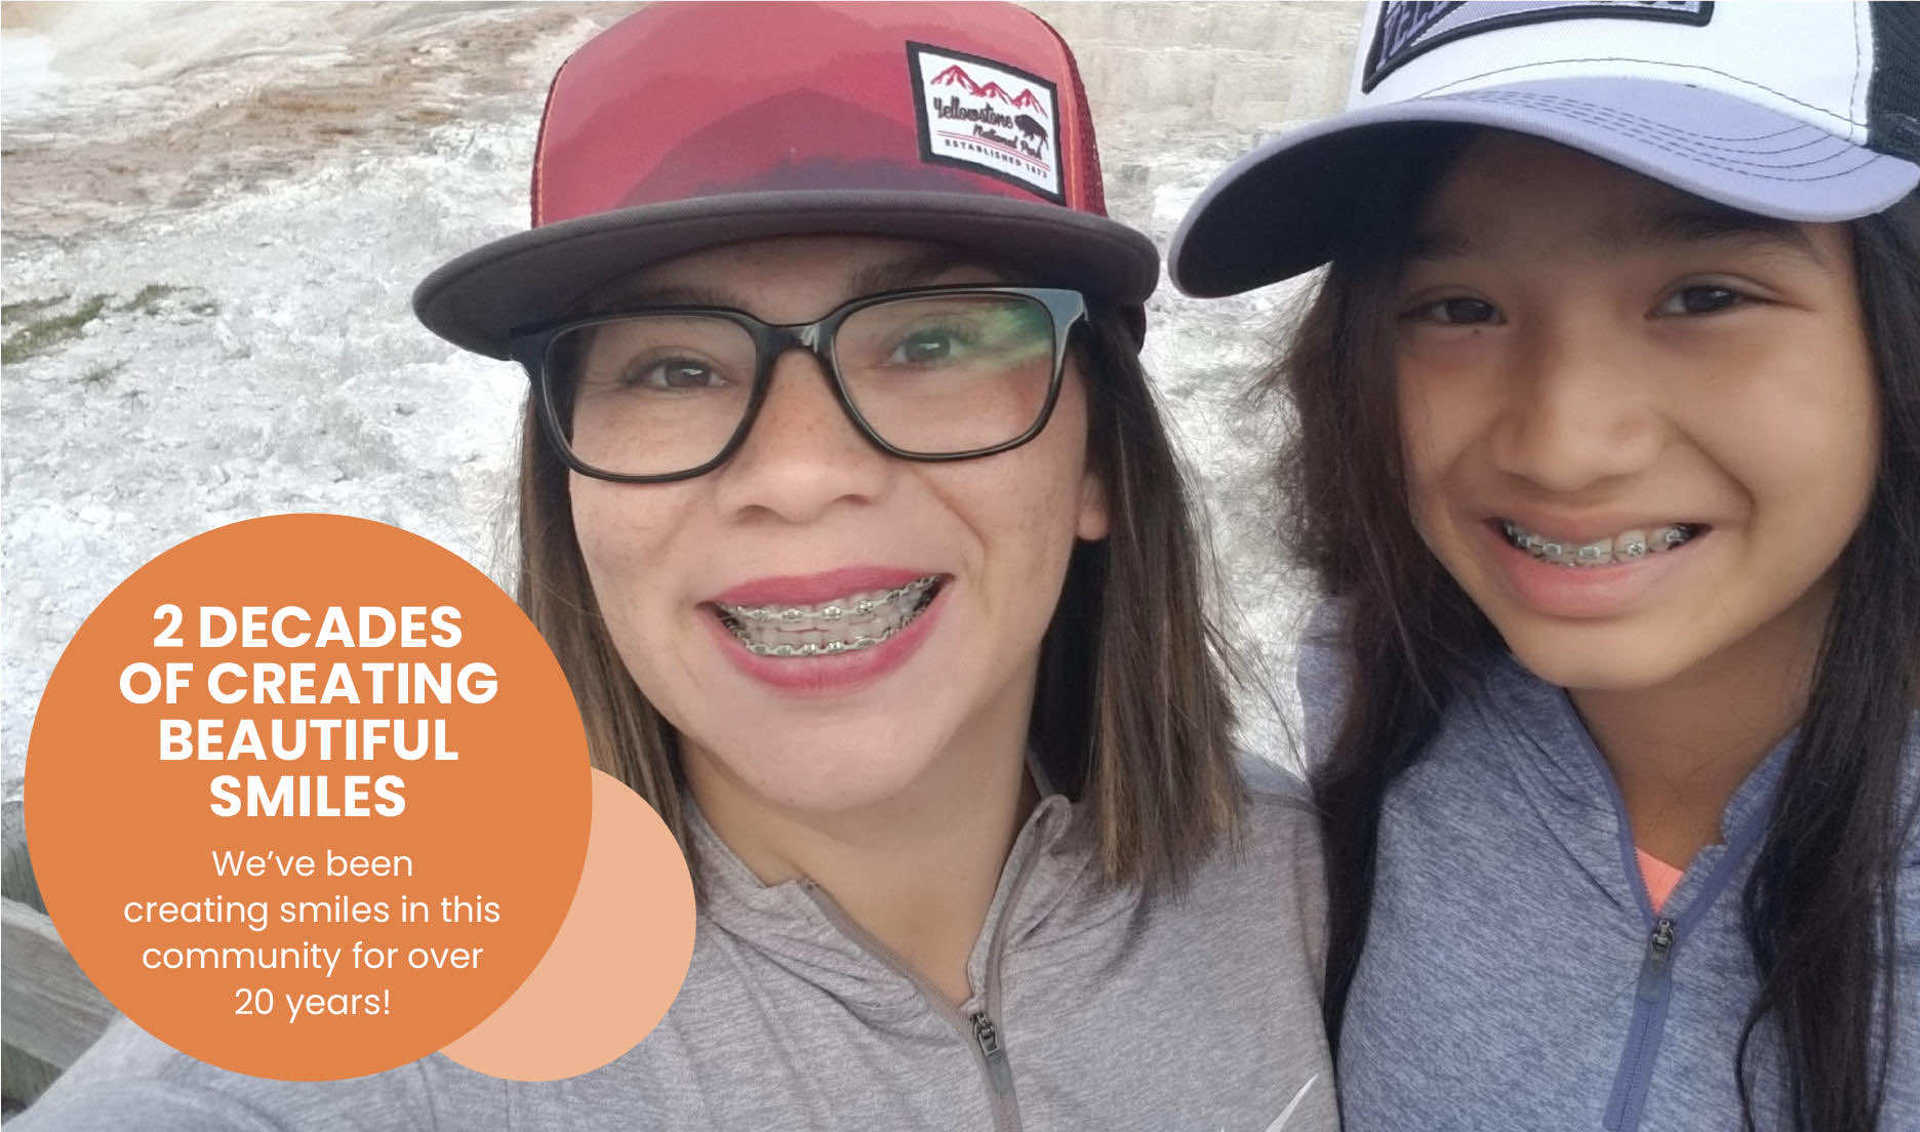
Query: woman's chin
{"type": "Point", "coordinates": [832, 769]}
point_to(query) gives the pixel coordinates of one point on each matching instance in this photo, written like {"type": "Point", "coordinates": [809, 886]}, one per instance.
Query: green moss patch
{"type": "Point", "coordinates": [36, 326]}
{"type": "Point", "coordinates": [41, 330]}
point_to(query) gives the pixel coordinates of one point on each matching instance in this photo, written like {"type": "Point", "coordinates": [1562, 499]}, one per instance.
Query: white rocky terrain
{"type": "Point", "coordinates": [214, 215]}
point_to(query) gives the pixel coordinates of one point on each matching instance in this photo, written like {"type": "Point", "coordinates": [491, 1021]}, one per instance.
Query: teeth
{"type": "Point", "coordinates": [849, 624]}
{"type": "Point", "coordinates": [1594, 553]}
{"type": "Point", "coordinates": [858, 605]}
{"type": "Point", "coordinates": [817, 648]}
{"type": "Point", "coordinates": [1627, 546]}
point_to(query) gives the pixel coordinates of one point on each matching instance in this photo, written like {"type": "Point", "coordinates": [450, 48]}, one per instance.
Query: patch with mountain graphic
{"type": "Point", "coordinates": [987, 117]}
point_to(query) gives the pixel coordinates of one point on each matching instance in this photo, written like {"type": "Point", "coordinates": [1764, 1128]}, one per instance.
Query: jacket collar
{"type": "Point", "coordinates": [1545, 749]}
{"type": "Point", "coordinates": [796, 925]}
{"type": "Point", "coordinates": [1537, 720]}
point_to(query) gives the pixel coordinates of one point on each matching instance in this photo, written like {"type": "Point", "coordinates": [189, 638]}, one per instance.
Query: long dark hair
{"type": "Point", "coordinates": [1131, 712]}
{"type": "Point", "coordinates": [1818, 906]}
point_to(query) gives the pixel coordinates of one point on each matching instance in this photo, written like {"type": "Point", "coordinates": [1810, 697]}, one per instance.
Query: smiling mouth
{"type": "Point", "coordinates": [1627, 546]}
{"type": "Point", "coordinates": [852, 623]}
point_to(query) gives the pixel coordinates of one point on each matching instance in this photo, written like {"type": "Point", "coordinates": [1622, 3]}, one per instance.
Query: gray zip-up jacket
{"type": "Point", "coordinates": [1091, 1009]}
{"type": "Point", "coordinates": [1516, 976]}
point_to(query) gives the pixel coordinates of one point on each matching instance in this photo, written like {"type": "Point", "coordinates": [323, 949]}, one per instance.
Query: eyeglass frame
{"type": "Point", "coordinates": [1066, 308]}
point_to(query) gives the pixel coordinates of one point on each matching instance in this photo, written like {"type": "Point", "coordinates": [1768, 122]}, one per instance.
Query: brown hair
{"type": "Point", "coordinates": [1131, 713]}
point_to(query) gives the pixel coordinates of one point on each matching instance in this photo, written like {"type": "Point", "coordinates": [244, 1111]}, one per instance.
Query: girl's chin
{"type": "Point", "coordinates": [1597, 657]}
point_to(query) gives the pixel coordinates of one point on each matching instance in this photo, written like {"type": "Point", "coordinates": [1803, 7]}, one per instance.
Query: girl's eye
{"type": "Point", "coordinates": [1700, 299]}
{"type": "Point", "coordinates": [674, 374]}
{"type": "Point", "coordinates": [1459, 311]}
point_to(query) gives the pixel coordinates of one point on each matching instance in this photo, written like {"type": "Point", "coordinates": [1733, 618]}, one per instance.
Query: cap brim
{"type": "Point", "coordinates": [1284, 208]}
{"type": "Point", "coordinates": [479, 299]}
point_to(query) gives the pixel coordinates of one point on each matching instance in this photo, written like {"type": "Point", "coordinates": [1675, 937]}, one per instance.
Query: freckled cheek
{"type": "Point", "coordinates": [626, 534]}
{"type": "Point", "coordinates": [1023, 507]}
{"type": "Point", "coordinates": [1025, 518]}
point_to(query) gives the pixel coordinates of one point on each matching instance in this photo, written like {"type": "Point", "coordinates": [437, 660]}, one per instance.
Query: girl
{"type": "Point", "coordinates": [847, 509]}
{"type": "Point", "coordinates": [1617, 702]}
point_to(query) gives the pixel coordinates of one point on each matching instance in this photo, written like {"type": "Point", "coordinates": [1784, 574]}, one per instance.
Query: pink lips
{"type": "Point", "coordinates": [826, 675]}
{"type": "Point", "coordinates": [1582, 592]}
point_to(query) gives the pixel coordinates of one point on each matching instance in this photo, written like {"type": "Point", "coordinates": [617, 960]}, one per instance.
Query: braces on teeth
{"type": "Point", "coordinates": [828, 649]}
{"type": "Point", "coordinates": [914, 596]}
{"type": "Point", "coordinates": [827, 612]}
{"type": "Point", "coordinates": [1627, 546]}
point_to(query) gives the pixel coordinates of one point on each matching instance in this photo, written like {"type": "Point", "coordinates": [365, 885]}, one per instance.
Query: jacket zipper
{"type": "Point", "coordinates": [979, 1030]}
{"type": "Point", "coordinates": [1654, 982]}
{"type": "Point", "coordinates": [1006, 1109]}
{"type": "Point", "coordinates": [1643, 1033]}
{"type": "Point", "coordinates": [1654, 988]}
{"type": "Point", "coordinates": [999, 1074]}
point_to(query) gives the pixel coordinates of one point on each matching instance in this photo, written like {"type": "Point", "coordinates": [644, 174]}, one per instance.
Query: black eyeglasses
{"type": "Point", "coordinates": [935, 373]}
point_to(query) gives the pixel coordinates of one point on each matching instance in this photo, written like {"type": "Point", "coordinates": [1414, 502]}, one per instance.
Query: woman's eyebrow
{"type": "Point", "coordinates": [892, 275]}
{"type": "Point", "coordinates": [671, 295]}
{"type": "Point", "coordinates": [910, 271]}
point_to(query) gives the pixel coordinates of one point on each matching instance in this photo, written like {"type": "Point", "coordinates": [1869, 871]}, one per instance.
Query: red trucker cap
{"type": "Point", "coordinates": [685, 126]}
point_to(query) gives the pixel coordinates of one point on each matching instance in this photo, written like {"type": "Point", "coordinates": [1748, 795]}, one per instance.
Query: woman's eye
{"type": "Point", "coordinates": [674, 374]}
{"type": "Point", "coordinates": [1460, 311]}
{"type": "Point", "coordinates": [1703, 299]}
{"type": "Point", "coordinates": [926, 347]}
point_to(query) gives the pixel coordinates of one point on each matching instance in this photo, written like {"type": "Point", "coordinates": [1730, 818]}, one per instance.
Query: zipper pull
{"type": "Point", "coordinates": [987, 1037]}
{"type": "Point", "coordinates": [1654, 970]}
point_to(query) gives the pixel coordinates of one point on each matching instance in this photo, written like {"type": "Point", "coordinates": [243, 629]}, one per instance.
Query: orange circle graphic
{"type": "Point", "coordinates": [617, 963]}
{"type": "Point", "coordinates": [307, 797]}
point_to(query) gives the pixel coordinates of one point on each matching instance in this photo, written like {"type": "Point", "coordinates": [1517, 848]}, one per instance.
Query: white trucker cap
{"type": "Point", "coordinates": [1799, 111]}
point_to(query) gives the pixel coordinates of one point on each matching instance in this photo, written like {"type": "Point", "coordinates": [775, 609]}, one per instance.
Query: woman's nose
{"type": "Point", "coordinates": [1580, 408]}
{"type": "Point", "coordinates": [803, 454]}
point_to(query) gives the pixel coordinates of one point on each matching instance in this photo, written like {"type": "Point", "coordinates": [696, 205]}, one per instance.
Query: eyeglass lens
{"type": "Point", "coordinates": [656, 394]}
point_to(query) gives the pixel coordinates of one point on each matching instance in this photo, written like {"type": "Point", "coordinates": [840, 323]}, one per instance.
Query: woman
{"type": "Point", "coordinates": [1621, 316]}
{"type": "Point", "coordinates": [847, 509]}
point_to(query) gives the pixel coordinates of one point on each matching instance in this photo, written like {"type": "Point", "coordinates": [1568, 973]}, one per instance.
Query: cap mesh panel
{"type": "Point", "coordinates": [1893, 100]}
{"type": "Point", "coordinates": [1087, 161]}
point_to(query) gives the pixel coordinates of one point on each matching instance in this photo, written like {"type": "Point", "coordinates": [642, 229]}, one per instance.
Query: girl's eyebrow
{"type": "Point", "coordinates": [1438, 243]}
{"type": "Point", "coordinates": [1691, 222]}
{"type": "Point", "coordinates": [1700, 222]}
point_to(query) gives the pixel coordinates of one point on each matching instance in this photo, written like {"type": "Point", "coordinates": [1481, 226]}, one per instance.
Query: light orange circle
{"type": "Point", "coordinates": [492, 819]}
{"type": "Point", "coordinates": [617, 963]}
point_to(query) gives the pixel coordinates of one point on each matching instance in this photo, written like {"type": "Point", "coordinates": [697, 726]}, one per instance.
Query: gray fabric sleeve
{"type": "Point", "coordinates": [129, 1079]}
{"type": "Point", "coordinates": [1323, 673]}
{"type": "Point", "coordinates": [1288, 825]}
{"type": "Point", "coordinates": [1310, 887]}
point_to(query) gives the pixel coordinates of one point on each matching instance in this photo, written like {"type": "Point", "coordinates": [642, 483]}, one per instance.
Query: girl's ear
{"type": "Point", "coordinates": [1092, 524]}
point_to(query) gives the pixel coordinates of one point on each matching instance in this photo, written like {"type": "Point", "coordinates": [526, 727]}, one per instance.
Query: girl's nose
{"type": "Point", "coordinates": [803, 454]}
{"type": "Point", "coordinates": [1577, 411]}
